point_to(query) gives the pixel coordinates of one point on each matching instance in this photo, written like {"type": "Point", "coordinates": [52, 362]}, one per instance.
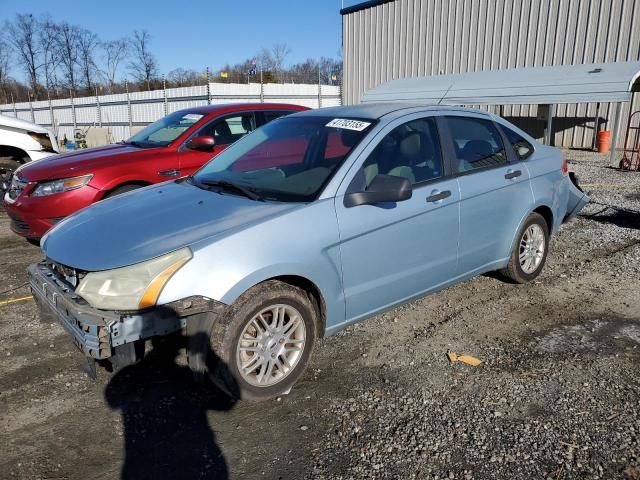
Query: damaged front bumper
{"type": "Point", "coordinates": [577, 198]}
{"type": "Point", "coordinates": [98, 332]}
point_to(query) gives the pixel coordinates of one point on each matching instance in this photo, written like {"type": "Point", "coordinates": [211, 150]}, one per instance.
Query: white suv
{"type": "Point", "coordinates": [21, 142]}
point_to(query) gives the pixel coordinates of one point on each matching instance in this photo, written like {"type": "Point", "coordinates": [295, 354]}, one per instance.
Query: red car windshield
{"type": "Point", "coordinates": [289, 159]}
{"type": "Point", "coordinates": [165, 130]}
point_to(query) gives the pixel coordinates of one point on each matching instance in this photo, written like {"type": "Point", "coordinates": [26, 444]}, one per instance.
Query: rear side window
{"type": "Point", "coordinates": [477, 143]}
{"type": "Point", "coordinates": [521, 147]}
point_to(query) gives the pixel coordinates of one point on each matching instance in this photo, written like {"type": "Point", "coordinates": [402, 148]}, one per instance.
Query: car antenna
{"type": "Point", "coordinates": [445, 93]}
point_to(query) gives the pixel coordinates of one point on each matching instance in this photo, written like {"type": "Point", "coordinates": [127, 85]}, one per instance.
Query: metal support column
{"type": "Point", "coordinates": [596, 127]}
{"type": "Point", "coordinates": [614, 133]}
{"type": "Point", "coordinates": [98, 109]}
{"type": "Point", "coordinates": [548, 140]}
{"type": "Point", "coordinates": [319, 90]}
{"type": "Point", "coordinates": [261, 86]}
{"type": "Point", "coordinates": [33, 116]}
{"type": "Point", "coordinates": [73, 112]}
{"type": "Point", "coordinates": [53, 121]}
{"type": "Point", "coordinates": [208, 88]}
{"type": "Point", "coordinates": [164, 94]}
{"type": "Point", "coordinates": [126, 87]}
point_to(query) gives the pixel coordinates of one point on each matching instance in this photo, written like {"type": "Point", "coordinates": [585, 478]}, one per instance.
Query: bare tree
{"type": "Point", "coordinates": [114, 53]}
{"type": "Point", "coordinates": [180, 77]}
{"type": "Point", "coordinates": [50, 58]}
{"type": "Point", "coordinates": [4, 68]}
{"type": "Point", "coordinates": [87, 44]}
{"type": "Point", "coordinates": [67, 39]}
{"type": "Point", "coordinates": [22, 36]}
{"type": "Point", "coordinates": [272, 60]}
{"type": "Point", "coordinates": [279, 53]}
{"type": "Point", "coordinates": [143, 65]}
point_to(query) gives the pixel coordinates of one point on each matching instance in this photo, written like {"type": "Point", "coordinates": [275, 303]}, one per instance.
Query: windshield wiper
{"type": "Point", "coordinates": [247, 192]}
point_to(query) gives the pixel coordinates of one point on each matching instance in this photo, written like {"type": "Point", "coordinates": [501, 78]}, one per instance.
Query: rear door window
{"type": "Point", "coordinates": [522, 148]}
{"type": "Point", "coordinates": [477, 143]}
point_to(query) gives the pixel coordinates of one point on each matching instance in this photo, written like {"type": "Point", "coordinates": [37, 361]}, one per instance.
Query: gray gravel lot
{"type": "Point", "coordinates": [556, 395]}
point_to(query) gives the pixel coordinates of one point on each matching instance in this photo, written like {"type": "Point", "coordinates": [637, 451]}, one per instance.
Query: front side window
{"type": "Point", "coordinates": [521, 146]}
{"type": "Point", "coordinates": [165, 130]}
{"type": "Point", "coordinates": [411, 150]}
{"type": "Point", "coordinates": [229, 129]}
{"type": "Point", "coordinates": [288, 160]}
{"type": "Point", "coordinates": [270, 115]}
{"type": "Point", "coordinates": [477, 143]}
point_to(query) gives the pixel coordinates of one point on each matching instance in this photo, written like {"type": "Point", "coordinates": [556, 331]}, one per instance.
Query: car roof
{"type": "Point", "coordinates": [374, 110]}
{"type": "Point", "coordinates": [231, 107]}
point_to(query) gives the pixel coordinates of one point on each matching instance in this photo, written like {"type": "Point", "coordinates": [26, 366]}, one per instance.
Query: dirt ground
{"type": "Point", "coordinates": [555, 397]}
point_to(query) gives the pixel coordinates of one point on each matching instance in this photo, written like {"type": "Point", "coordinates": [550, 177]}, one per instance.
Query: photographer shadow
{"type": "Point", "coordinates": [164, 413]}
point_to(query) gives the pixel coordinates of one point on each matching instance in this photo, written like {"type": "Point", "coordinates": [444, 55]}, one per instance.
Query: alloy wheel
{"type": "Point", "coordinates": [271, 345]}
{"type": "Point", "coordinates": [532, 245]}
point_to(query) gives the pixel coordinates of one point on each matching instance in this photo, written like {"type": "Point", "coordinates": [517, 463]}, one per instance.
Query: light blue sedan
{"type": "Point", "coordinates": [313, 222]}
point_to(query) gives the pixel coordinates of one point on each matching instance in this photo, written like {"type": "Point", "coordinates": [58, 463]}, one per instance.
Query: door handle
{"type": "Point", "coordinates": [511, 174]}
{"type": "Point", "coordinates": [169, 173]}
{"type": "Point", "coordinates": [437, 196]}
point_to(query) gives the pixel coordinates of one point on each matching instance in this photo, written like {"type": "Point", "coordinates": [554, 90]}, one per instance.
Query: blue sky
{"type": "Point", "coordinates": [199, 33]}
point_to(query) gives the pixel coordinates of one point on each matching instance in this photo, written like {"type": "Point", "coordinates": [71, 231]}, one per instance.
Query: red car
{"type": "Point", "coordinates": [44, 192]}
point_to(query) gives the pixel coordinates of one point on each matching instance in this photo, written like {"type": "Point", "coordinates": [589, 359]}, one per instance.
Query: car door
{"type": "Point", "coordinates": [225, 130]}
{"type": "Point", "coordinates": [494, 189]}
{"type": "Point", "coordinates": [391, 252]}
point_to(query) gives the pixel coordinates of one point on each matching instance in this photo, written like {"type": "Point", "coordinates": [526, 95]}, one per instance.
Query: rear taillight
{"type": "Point", "coordinates": [565, 167]}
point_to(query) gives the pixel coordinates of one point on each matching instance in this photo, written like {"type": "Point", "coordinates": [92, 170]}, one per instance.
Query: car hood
{"type": "Point", "coordinates": [79, 162]}
{"type": "Point", "coordinates": [150, 222]}
{"type": "Point", "coordinates": [16, 123]}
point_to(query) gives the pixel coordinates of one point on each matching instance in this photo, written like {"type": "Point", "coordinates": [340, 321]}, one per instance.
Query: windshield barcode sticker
{"type": "Point", "coordinates": [356, 125]}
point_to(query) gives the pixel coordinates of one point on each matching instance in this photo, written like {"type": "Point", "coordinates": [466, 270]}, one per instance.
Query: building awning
{"type": "Point", "coordinates": [608, 82]}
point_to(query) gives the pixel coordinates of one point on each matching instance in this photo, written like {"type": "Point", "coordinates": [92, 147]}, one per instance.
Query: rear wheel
{"type": "Point", "coordinates": [261, 345]}
{"type": "Point", "coordinates": [530, 251]}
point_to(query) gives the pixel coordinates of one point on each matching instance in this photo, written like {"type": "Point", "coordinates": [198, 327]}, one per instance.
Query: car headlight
{"type": "Point", "coordinates": [44, 140]}
{"type": "Point", "coordinates": [134, 287]}
{"type": "Point", "coordinates": [59, 186]}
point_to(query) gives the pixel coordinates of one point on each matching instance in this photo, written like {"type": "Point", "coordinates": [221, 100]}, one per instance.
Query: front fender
{"type": "Point", "coordinates": [303, 242]}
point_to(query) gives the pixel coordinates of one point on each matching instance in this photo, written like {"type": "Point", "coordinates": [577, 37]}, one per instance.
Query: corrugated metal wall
{"type": "Point", "coordinates": [430, 37]}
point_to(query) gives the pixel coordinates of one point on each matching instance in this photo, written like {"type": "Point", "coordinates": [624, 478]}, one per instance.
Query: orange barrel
{"type": "Point", "coordinates": [604, 141]}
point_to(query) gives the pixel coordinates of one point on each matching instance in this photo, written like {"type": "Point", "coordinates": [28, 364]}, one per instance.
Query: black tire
{"type": "Point", "coordinates": [212, 344]}
{"type": "Point", "coordinates": [122, 189]}
{"type": "Point", "coordinates": [514, 271]}
{"type": "Point", "coordinates": [8, 165]}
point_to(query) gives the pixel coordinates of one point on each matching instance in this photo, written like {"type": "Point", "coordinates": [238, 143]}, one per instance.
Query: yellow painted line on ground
{"type": "Point", "coordinates": [15, 300]}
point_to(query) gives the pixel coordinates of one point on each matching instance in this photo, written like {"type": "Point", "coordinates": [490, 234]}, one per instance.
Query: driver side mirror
{"type": "Point", "coordinates": [202, 143]}
{"type": "Point", "coordinates": [383, 188]}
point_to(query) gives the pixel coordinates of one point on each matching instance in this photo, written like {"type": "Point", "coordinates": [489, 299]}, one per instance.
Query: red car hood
{"type": "Point", "coordinates": [81, 162]}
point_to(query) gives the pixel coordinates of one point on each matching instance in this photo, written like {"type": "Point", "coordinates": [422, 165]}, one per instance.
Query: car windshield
{"type": "Point", "coordinates": [165, 130]}
{"type": "Point", "coordinates": [289, 159]}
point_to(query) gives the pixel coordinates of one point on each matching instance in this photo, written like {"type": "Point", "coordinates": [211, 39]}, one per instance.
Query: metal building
{"type": "Point", "coordinates": [389, 39]}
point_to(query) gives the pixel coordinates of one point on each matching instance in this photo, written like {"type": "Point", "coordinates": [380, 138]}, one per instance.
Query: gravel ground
{"type": "Point", "coordinates": [556, 395]}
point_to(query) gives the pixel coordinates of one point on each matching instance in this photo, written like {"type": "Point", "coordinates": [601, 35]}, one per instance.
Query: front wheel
{"type": "Point", "coordinates": [7, 167]}
{"type": "Point", "coordinates": [530, 251]}
{"type": "Point", "coordinates": [262, 343]}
